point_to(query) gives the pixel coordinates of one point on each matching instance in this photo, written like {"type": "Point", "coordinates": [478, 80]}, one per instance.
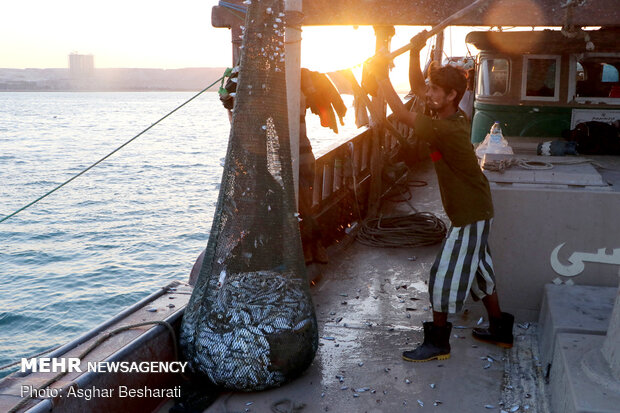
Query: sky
{"type": "Point", "coordinates": [161, 34]}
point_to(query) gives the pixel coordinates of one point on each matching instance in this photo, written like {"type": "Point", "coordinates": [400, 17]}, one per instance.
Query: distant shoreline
{"type": "Point", "coordinates": [212, 90]}
{"type": "Point", "coordinates": [108, 80]}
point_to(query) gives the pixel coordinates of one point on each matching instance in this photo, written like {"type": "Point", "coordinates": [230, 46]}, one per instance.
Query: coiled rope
{"type": "Point", "coordinates": [111, 153]}
{"type": "Point", "coordinates": [415, 230]}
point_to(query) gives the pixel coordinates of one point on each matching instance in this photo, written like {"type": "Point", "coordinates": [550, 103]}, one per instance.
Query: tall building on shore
{"type": "Point", "coordinates": [81, 66]}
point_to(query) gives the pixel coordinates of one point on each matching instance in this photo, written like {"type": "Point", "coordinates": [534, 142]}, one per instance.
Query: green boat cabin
{"type": "Point", "coordinates": [541, 83]}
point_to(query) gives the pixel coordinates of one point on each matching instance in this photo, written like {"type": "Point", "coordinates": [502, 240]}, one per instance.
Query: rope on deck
{"type": "Point", "coordinates": [415, 230]}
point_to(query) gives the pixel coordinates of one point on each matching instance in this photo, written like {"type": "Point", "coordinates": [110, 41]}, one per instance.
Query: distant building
{"type": "Point", "coordinates": [81, 66]}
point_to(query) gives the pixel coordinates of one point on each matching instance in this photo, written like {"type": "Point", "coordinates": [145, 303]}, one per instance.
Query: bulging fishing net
{"type": "Point", "coordinates": [250, 323]}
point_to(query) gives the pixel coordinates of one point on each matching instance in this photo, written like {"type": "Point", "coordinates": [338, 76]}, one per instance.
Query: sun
{"type": "Point", "coordinates": [332, 48]}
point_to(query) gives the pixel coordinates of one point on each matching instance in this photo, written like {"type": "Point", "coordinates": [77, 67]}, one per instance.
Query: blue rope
{"type": "Point", "coordinates": [111, 153]}
{"type": "Point", "coordinates": [233, 6]}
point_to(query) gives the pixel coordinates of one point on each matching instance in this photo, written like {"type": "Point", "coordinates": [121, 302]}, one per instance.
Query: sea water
{"type": "Point", "coordinates": [122, 230]}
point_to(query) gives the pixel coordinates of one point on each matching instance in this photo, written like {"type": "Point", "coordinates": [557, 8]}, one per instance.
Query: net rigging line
{"type": "Point", "coordinates": [111, 153]}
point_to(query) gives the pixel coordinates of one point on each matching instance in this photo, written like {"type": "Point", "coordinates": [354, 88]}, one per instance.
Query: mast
{"type": "Point", "coordinates": [383, 36]}
{"type": "Point", "coordinates": [292, 49]}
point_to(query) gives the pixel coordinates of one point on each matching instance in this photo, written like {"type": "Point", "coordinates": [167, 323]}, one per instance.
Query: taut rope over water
{"type": "Point", "coordinates": [111, 153]}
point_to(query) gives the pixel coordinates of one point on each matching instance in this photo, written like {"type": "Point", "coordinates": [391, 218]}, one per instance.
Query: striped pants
{"type": "Point", "coordinates": [463, 265]}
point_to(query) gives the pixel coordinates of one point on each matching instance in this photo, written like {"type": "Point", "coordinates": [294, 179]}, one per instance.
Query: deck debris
{"type": "Point", "coordinates": [420, 402]}
{"type": "Point", "coordinates": [480, 321]}
{"type": "Point", "coordinates": [432, 385]}
{"type": "Point", "coordinates": [437, 403]}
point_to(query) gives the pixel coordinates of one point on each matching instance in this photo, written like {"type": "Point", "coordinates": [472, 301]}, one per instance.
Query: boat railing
{"type": "Point", "coordinates": [342, 177]}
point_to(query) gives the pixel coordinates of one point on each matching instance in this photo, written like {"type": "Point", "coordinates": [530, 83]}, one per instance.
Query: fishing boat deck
{"type": "Point", "coordinates": [370, 304]}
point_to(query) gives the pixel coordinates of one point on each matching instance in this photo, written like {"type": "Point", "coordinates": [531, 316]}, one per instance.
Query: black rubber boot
{"type": "Point", "coordinates": [436, 345]}
{"type": "Point", "coordinates": [498, 333]}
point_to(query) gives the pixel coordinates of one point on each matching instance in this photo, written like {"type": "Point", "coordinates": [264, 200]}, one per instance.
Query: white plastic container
{"type": "Point", "coordinates": [494, 142]}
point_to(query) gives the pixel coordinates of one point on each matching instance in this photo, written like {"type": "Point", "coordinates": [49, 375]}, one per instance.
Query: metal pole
{"type": "Point", "coordinates": [292, 49]}
{"type": "Point", "coordinates": [384, 36]}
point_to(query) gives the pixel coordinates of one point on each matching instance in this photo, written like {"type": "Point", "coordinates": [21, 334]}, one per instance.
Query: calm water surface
{"type": "Point", "coordinates": [122, 230]}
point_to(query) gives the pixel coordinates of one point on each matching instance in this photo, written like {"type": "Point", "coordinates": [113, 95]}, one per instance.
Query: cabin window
{"type": "Point", "coordinates": [493, 75]}
{"type": "Point", "coordinates": [597, 76]}
{"type": "Point", "coordinates": [541, 78]}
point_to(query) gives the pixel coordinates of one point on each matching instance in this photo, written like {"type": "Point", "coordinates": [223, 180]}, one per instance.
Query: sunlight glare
{"type": "Point", "coordinates": [331, 48]}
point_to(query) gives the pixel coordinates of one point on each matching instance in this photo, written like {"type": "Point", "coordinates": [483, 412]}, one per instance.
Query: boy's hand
{"type": "Point", "coordinates": [419, 41]}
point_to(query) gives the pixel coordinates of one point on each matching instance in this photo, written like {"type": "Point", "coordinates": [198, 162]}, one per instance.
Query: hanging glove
{"type": "Point", "coordinates": [375, 69]}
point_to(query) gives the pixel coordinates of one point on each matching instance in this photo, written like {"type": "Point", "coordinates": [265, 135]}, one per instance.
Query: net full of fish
{"type": "Point", "coordinates": [246, 332]}
{"type": "Point", "coordinates": [250, 323]}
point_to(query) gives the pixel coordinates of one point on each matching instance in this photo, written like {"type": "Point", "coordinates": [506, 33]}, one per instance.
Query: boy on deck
{"type": "Point", "coordinates": [463, 264]}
